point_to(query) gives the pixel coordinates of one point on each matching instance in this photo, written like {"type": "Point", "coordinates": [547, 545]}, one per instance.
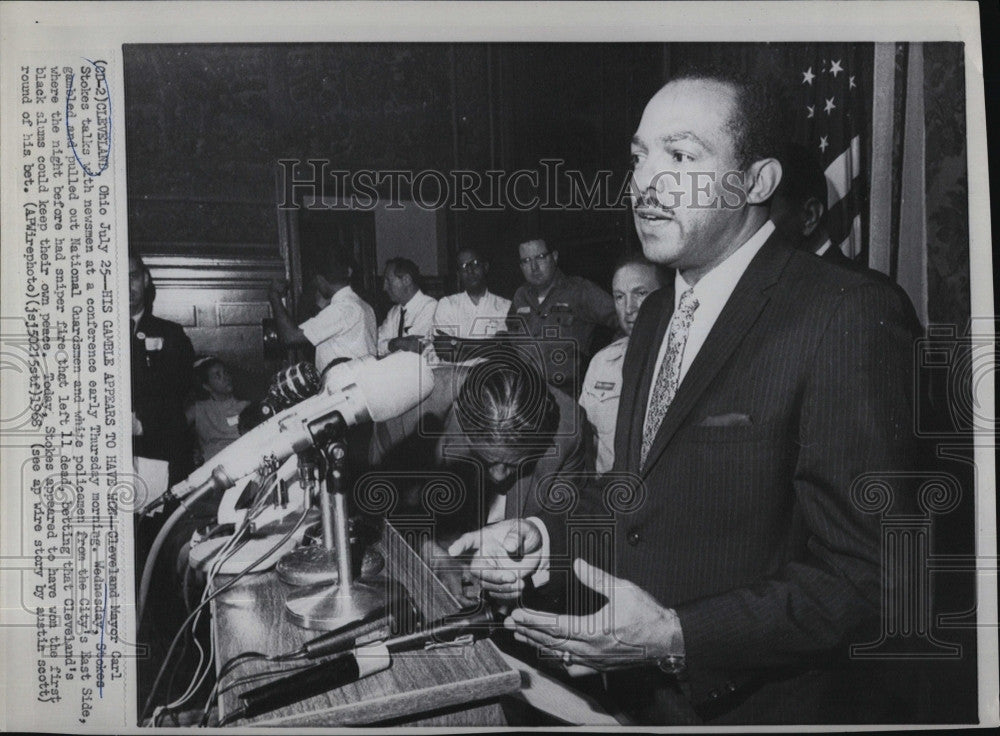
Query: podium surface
{"type": "Point", "coordinates": [449, 686]}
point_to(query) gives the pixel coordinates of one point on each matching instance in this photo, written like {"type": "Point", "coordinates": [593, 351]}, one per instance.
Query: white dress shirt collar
{"type": "Point", "coordinates": [713, 291]}
{"type": "Point", "coordinates": [416, 300]}
{"type": "Point", "coordinates": [714, 288]}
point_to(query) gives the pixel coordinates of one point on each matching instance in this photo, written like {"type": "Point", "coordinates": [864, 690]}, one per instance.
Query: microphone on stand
{"type": "Point", "coordinates": [358, 391]}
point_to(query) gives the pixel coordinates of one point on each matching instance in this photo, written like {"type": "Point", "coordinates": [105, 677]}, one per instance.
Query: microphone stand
{"type": "Point", "coordinates": [323, 606]}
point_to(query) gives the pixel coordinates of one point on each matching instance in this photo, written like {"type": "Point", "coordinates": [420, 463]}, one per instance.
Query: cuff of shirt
{"type": "Point", "coordinates": [310, 329]}
{"type": "Point", "coordinates": [541, 575]}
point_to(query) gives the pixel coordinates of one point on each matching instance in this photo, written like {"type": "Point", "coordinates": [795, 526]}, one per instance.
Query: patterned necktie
{"type": "Point", "coordinates": [670, 370]}
{"type": "Point", "coordinates": [402, 322]}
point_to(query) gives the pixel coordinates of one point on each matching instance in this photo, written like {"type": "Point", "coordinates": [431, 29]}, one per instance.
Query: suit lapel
{"type": "Point", "coordinates": [734, 322]}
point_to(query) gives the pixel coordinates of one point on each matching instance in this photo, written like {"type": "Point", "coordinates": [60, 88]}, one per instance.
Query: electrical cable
{"type": "Point", "coordinates": [231, 546]}
{"type": "Point", "coordinates": [230, 583]}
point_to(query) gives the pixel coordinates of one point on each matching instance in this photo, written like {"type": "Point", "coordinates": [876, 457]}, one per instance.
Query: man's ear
{"type": "Point", "coordinates": [812, 215]}
{"type": "Point", "coordinates": [555, 256]}
{"type": "Point", "coordinates": [762, 179]}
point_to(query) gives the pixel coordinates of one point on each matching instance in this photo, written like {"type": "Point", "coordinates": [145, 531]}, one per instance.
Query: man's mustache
{"type": "Point", "coordinates": [648, 202]}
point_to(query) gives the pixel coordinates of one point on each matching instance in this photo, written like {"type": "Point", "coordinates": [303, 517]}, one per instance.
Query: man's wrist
{"type": "Point", "coordinates": [670, 656]}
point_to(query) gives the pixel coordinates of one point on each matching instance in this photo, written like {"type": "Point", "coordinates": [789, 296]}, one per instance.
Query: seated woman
{"type": "Point", "coordinates": [215, 414]}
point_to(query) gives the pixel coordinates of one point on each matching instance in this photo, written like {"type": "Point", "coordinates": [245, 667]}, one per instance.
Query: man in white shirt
{"type": "Point", "coordinates": [762, 391]}
{"type": "Point", "coordinates": [344, 327]}
{"type": "Point", "coordinates": [475, 312]}
{"type": "Point", "coordinates": [411, 317]}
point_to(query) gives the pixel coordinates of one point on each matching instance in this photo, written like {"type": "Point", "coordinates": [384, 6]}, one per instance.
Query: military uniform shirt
{"type": "Point", "coordinates": [563, 323]}
{"type": "Point", "coordinates": [602, 388]}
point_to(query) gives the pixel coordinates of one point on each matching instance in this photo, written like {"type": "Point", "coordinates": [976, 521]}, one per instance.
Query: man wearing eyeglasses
{"type": "Point", "coordinates": [555, 308]}
{"type": "Point", "coordinates": [475, 312]}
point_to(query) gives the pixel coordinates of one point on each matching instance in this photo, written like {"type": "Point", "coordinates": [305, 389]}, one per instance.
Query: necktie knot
{"type": "Point", "coordinates": [688, 303]}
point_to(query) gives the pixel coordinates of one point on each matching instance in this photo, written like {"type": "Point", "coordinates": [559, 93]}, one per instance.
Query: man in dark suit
{"type": "Point", "coordinates": [162, 357]}
{"type": "Point", "coordinates": [760, 389]}
{"type": "Point", "coordinates": [799, 207]}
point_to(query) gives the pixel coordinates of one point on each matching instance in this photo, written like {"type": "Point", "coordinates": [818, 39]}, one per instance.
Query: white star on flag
{"type": "Point", "coordinates": [829, 82]}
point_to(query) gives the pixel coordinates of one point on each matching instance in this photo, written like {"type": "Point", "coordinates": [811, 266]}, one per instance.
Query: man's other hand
{"type": "Point", "coordinates": [506, 553]}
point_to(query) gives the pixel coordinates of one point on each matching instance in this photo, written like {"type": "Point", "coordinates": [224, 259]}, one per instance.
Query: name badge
{"type": "Point", "coordinates": [233, 421]}
{"type": "Point", "coordinates": [154, 344]}
{"type": "Point", "coordinates": [524, 310]}
{"type": "Point", "coordinates": [604, 385]}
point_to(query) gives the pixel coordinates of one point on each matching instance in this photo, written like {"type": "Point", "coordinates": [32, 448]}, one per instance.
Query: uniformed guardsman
{"type": "Point", "coordinates": [559, 311]}
{"type": "Point", "coordinates": [634, 279]}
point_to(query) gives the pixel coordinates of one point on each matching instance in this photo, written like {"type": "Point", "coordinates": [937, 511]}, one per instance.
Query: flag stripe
{"type": "Point", "coordinates": [851, 245]}
{"type": "Point", "coordinates": [838, 219]}
{"type": "Point", "coordinates": [841, 173]}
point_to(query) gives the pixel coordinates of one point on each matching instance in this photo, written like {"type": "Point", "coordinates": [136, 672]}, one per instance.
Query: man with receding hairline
{"type": "Point", "coordinates": [760, 388]}
{"type": "Point", "coordinates": [634, 278]}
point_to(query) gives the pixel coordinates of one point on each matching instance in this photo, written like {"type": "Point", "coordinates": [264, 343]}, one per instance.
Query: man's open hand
{"type": "Point", "coordinates": [632, 629]}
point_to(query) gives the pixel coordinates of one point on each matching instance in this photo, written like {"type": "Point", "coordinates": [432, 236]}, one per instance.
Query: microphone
{"type": "Point", "coordinates": [288, 387]}
{"type": "Point", "coordinates": [358, 391]}
{"type": "Point", "coordinates": [294, 384]}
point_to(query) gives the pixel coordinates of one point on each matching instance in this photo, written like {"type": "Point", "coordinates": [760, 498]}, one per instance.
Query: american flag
{"type": "Point", "coordinates": [832, 95]}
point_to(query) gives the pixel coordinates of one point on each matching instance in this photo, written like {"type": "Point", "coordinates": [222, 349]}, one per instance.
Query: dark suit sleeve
{"type": "Point", "coordinates": [855, 417]}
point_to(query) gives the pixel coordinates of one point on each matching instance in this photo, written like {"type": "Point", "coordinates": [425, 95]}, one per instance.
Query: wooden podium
{"type": "Point", "coordinates": [452, 686]}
